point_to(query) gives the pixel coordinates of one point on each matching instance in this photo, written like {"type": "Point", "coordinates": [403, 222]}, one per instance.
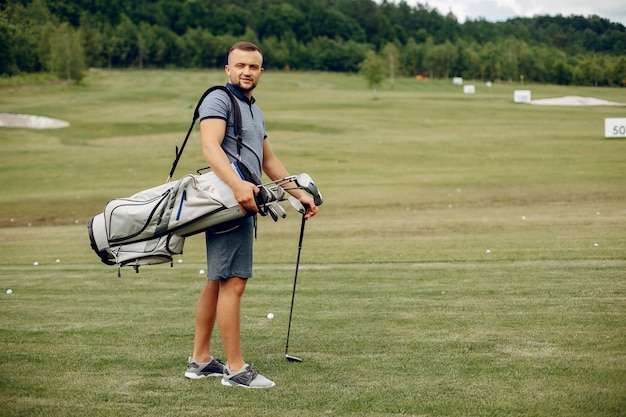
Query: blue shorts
{"type": "Point", "coordinates": [229, 254]}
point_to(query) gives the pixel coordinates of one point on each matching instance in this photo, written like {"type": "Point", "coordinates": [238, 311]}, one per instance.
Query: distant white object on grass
{"type": "Point", "coordinates": [469, 89]}
{"type": "Point", "coordinates": [521, 96]}
{"type": "Point", "coordinates": [35, 263]}
{"type": "Point", "coordinates": [30, 121]}
{"type": "Point", "coordinates": [615, 128]}
{"type": "Point", "coordinates": [457, 81]}
{"type": "Point", "coordinates": [270, 316]}
{"type": "Point", "coordinates": [201, 271]}
{"type": "Point", "coordinates": [488, 251]}
{"type": "Point", "coordinates": [574, 101]}
{"type": "Point", "coordinates": [9, 291]}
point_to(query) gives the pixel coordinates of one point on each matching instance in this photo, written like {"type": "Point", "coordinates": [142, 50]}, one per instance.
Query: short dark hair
{"type": "Point", "coordinates": [245, 46]}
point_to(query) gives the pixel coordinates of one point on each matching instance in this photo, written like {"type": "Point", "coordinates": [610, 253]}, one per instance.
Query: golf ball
{"type": "Point", "coordinates": [270, 316]}
{"type": "Point", "coordinates": [9, 291]}
{"type": "Point", "coordinates": [35, 263]}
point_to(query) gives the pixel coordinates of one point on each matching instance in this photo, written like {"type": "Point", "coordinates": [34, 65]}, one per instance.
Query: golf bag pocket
{"type": "Point", "coordinates": [148, 252]}
{"type": "Point", "coordinates": [135, 219]}
{"type": "Point", "coordinates": [144, 215]}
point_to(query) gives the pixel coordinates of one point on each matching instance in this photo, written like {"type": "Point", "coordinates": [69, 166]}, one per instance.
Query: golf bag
{"type": "Point", "coordinates": [151, 226]}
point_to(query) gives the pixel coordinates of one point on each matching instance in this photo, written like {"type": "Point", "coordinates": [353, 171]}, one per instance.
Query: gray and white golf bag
{"type": "Point", "coordinates": [151, 226]}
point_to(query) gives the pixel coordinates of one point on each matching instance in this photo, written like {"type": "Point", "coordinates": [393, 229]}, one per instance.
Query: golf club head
{"type": "Point", "coordinates": [297, 205]}
{"type": "Point", "coordinates": [272, 211]}
{"type": "Point", "coordinates": [317, 199]}
{"type": "Point", "coordinates": [279, 209]}
{"type": "Point", "coordinates": [306, 183]}
{"type": "Point", "coordinates": [292, 358]}
{"type": "Point", "coordinates": [279, 192]}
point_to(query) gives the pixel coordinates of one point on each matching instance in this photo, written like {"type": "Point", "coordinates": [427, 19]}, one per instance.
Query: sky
{"type": "Point", "coordinates": [500, 10]}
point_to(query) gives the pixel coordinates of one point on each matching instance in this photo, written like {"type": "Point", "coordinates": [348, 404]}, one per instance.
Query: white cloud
{"type": "Point", "coordinates": [498, 10]}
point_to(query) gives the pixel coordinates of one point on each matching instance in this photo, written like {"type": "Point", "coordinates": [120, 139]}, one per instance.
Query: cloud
{"type": "Point", "coordinates": [499, 10]}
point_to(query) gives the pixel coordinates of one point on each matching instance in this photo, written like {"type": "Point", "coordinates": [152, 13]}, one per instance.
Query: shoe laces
{"type": "Point", "coordinates": [251, 372]}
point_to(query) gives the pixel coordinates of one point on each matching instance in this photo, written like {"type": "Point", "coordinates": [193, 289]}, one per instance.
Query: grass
{"type": "Point", "coordinates": [468, 260]}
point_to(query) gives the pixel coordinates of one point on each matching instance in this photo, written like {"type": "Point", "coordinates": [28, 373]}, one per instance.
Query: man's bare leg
{"type": "Point", "coordinates": [228, 319]}
{"type": "Point", "coordinates": [205, 320]}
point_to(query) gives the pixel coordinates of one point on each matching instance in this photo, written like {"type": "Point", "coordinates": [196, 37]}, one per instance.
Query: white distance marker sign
{"type": "Point", "coordinates": [615, 128]}
{"type": "Point", "coordinates": [521, 96]}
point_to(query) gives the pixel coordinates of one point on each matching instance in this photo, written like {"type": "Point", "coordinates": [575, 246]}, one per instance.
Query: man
{"type": "Point", "coordinates": [229, 254]}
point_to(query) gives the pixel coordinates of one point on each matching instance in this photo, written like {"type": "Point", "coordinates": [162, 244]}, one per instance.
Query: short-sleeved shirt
{"type": "Point", "coordinates": [217, 105]}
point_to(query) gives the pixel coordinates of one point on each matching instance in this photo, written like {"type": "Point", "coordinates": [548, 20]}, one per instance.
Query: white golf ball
{"type": "Point", "coordinates": [488, 251]}
{"type": "Point", "coordinates": [270, 316]}
{"type": "Point", "coordinates": [201, 272]}
{"type": "Point", "coordinates": [35, 263]}
{"type": "Point", "coordinates": [9, 291]}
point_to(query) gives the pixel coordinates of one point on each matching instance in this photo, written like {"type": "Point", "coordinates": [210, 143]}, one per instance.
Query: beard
{"type": "Point", "coordinates": [245, 89]}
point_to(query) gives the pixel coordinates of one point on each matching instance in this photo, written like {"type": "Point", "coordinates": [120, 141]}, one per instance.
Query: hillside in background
{"type": "Point", "coordinates": [65, 37]}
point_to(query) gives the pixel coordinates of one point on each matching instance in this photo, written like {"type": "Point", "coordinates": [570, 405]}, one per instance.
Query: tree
{"type": "Point", "coordinates": [8, 65]}
{"type": "Point", "coordinates": [67, 59]}
{"type": "Point", "coordinates": [391, 54]}
{"type": "Point", "coordinates": [373, 69]}
{"type": "Point", "coordinates": [92, 42]}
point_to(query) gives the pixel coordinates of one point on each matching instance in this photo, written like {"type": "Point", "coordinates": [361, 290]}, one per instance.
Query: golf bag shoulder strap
{"type": "Point", "coordinates": [196, 114]}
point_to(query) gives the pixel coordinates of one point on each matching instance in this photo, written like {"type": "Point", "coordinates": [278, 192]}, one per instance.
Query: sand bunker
{"type": "Point", "coordinates": [30, 121]}
{"type": "Point", "coordinates": [574, 101]}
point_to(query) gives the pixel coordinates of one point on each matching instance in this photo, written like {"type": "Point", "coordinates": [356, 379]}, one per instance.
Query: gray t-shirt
{"type": "Point", "coordinates": [218, 105]}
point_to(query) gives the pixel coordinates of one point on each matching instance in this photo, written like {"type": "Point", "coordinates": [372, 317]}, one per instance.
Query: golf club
{"type": "Point", "coordinates": [278, 209]}
{"type": "Point", "coordinates": [305, 182]}
{"type": "Point", "coordinates": [271, 211]}
{"type": "Point", "coordinates": [295, 203]}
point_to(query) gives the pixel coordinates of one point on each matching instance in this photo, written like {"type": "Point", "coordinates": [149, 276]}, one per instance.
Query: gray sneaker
{"type": "Point", "coordinates": [247, 377]}
{"type": "Point", "coordinates": [197, 370]}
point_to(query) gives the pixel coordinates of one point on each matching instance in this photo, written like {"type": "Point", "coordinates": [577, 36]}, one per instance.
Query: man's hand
{"type": "Point", "coordinates": [244, 193]}
{"type": "Point", "coordinates": [309, 205]}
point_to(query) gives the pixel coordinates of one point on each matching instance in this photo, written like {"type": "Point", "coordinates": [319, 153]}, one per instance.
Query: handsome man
{"type": "Point", "coordinates": [229, 254]}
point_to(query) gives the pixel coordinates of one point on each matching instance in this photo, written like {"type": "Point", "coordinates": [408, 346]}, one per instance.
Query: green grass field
{"type": "Point", "coordinates": [469, 259]}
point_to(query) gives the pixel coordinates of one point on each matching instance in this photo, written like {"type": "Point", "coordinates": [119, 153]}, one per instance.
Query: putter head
{"type": "Point", "coordinates": [292, 358]}
{"type": "Point", "coordinates": [297, 205]}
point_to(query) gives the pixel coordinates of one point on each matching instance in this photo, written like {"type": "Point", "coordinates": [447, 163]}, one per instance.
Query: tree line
{"type": "Point", "coordinates": [66, 37]}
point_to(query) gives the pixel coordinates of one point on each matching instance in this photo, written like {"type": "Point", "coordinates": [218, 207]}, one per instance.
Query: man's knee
{"type": "Point", "coordinates": [235, 286]}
